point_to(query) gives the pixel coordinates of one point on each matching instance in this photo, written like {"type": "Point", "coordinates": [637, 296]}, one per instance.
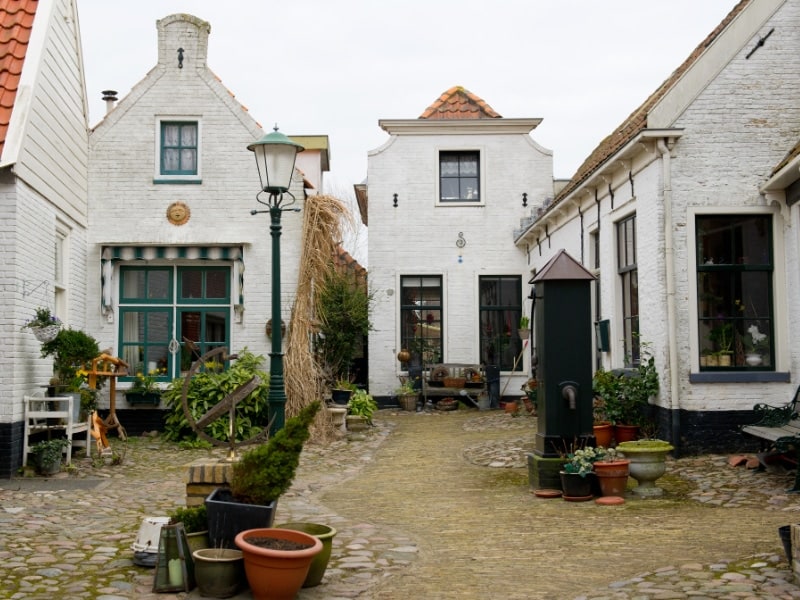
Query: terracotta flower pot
{"type": "Point", "coordinates": [603, 434]}
{"type": "Point", "coordinates": [275, 574]}
{"type": "Point", "coordinates": [613, 477]}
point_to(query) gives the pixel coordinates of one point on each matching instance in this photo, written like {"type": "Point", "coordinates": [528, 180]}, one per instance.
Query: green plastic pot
{"type": "Point", "coordinates": [323, 533]}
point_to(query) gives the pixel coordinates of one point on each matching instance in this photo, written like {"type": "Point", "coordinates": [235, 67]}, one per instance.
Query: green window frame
{"type": "Point", "coordinates": [735, 305]}
{"type": "Point", "coordinates": [499, 314]}
{"type": "Point", "coordinates": [459, 176]}
{"type": "Point", "coordinates": [179, 145]}
{"type": "Point", "coordinates": [421, 323]}
{"type": "Point", "coordinates": [629, 280]}
{"type": "Point", "coordinates": [161, 305]}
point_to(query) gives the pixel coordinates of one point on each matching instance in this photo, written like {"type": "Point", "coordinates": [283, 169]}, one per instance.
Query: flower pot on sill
{"type": "Point", "coordinates": [753, 359]}
{"type": "Point", "coordinates": [143, 398]}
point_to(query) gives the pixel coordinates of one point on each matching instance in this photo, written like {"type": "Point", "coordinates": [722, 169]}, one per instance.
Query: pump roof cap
{"type": "Point", "coordinates": [562, 266]}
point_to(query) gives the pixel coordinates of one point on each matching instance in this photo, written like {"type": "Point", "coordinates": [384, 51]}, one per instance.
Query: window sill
{"type": "Point", "coordinates": [179, 181]}
{"type": "Point", "coordinates": [740, 377]}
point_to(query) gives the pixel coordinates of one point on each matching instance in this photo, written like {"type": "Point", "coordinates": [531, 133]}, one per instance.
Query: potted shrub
{"type": "Point", "coordinates": [407, 396]}
{"type": "Point", "coordinates": [72, 350]}
{"type": "Point", "coordinates": [48, 453]}
{"type": "Point", "coordinates": [195, 524]}
{"type": "Point", "coordinates": [360, 409]}
{"type": "Point", "coordinates": [258, 480]}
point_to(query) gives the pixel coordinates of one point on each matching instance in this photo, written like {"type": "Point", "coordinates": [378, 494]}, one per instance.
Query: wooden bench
{"type": "Point", "coordinates": [443, 380]}
{"type": "Point", "coordinates": [778, 428]}
{"type": "Point", "coordinates": [53, 414]}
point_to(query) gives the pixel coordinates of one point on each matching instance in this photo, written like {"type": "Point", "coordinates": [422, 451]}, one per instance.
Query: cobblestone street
{"type": "Point", "coordinates": [427, 505]}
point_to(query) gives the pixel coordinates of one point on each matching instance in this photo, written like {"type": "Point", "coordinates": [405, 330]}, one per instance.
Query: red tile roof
{"type": "Point", "coordinates": [459, 103]}
{"type": "Point", "coordinates": [637, 121]}
{"type": "Point", "coordinates": [16, 22]}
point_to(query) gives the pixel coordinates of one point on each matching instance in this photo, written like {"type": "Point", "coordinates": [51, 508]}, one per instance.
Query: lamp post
{"type": "Point", "coordinates": [275, 156]}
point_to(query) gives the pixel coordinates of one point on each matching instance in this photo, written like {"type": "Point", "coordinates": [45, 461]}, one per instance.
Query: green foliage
{"type": "Point", "coordinates": [194, 518]}
{"type": "Point", "coordinates": [49, 451]}
{"type": "Point", "coordinates": [71, 350]}
{"type": "Point", "coordinates": [626, 393]}
{"type": "Point", "coordinates": [344, 307]}
{"type": "Point", "coordinates": [207, 389]}
{"type": "Point", "coordinates": [362, 404]}
{"type": "Point", "coordinates": [524, 322]}
{"type": "Point", "coordinates": [267, 471]}
{"type": "Point", "coordinates": [581, 461]}
{"type": "Point", "coordinates": [43, 318]}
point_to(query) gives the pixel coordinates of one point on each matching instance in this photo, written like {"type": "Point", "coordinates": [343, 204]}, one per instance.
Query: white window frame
{"type": "Point", "coordinates": [61, 271]}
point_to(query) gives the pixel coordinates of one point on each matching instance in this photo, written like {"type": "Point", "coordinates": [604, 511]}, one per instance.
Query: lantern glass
{"type": "Point", "coordinates": [275, 157]}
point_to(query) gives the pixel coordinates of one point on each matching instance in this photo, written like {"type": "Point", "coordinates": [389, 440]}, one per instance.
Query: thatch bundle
{"type": "Point", "coordinates": [304, 378]}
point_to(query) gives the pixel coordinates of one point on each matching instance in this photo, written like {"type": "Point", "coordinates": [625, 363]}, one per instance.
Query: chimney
{"type": "Point", "coordinates": [110, 98]}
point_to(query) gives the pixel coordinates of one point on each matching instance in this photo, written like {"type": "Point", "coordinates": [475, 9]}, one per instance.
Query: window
{"type": "Point", "coordinates": [629, 279]}
{"type": "Point", "coordinates": [594, 261]}
{"type": "Point", "coordinates": [734, 292]}
{"type": "Point", "coordinates": [61, 272]}
{"type": "Point", "coordinates": [500, 310]}
{"type": "Point", "coordinates": [459, 176]}
{"type": "Point", "coordinates": [421, 317]}
{"type": "Point", "coordinates": [179, 148]}
{"type": "Point", "coordinates": [159, 304]}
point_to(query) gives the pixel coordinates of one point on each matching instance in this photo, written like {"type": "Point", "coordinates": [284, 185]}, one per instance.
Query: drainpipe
{"type": "Point", "coordinates": [670, 276]}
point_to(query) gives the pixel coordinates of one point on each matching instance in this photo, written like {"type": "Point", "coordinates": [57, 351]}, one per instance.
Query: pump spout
{"type": "Point", "coordinates": [570, 393]}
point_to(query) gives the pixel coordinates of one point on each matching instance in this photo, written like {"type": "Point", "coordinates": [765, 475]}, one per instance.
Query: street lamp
{"type": "Point", "coordinates": [275, 156]}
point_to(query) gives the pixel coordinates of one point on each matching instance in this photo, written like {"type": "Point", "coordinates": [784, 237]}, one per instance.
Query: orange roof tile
{"type": "Point", "coordinates": [637, 121]}
{"type": "Point", "coordinates": [459, 103]}
{"type": "Point", "coordinates": [16, 22]}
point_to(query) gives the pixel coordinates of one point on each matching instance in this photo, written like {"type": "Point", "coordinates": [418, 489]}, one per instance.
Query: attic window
{"type": "Point", "coordinates": [178, 148]}
{"type": "Point", "coordinates": [459, 176]}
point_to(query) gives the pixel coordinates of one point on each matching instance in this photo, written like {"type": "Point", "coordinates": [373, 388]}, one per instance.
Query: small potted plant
{"type": "Point", "coordinates": [342, 390]}
{"type": "Point", "coordinates": [195, 524]}
{"type": "Point", "coordinates": [578, 465]}
{"type": "Point", "coordinates": [612, 472]}
{"type": "Point", "coordinates": [144, 390]}
{"type": "Point", "coordinates": [756, 345]}
{"type": "Point", "coordinates": [407, 396]}
{"type": "Point", "coordinates": [524, 328]}
{"type": "Point", "coordinates": [45, 326]}
{"type": "Point", "coordinates": [48, 453]}
{"type": "Point", "coordinates": [360, 409]}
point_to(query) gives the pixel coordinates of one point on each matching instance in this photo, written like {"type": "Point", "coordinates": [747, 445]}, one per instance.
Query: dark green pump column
{"type": "Point", "coordinates": [563, 349]}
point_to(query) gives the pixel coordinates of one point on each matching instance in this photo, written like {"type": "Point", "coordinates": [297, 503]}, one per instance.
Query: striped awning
{"type": "Point", "coordinates": [112, 254]}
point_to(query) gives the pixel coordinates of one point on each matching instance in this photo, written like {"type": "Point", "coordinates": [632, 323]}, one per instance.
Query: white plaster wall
{"type": "Point", "coordinates": [418, 237]}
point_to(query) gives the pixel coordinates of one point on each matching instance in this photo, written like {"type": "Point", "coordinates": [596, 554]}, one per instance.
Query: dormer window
{"type": "Point", "coordinates": [459, 176]}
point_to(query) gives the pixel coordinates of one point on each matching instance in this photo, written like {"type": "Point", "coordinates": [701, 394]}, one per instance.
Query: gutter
{"type": "Point", "coordinates": [669, 262]}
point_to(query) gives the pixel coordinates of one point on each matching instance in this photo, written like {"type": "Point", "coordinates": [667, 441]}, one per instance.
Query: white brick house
{"type": "Point", "coordinates": [174, 251]}
{"type": "Point", "coordinates": [445, 192]}
{"type": "Point", "coordinates": [43, 185]}
{"type": "Point", "coordinates": [687, 214]}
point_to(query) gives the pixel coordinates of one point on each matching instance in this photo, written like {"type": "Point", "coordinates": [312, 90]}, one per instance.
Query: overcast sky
{"type": "Point", "coordinates": [336, 67]}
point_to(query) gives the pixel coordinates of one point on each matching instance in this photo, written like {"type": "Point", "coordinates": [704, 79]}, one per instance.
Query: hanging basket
{"type": "Point", "coordinates": [47, 333]}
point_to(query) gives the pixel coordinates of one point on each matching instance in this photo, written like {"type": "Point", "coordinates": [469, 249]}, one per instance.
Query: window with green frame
{"type": "Point", "coordinates": [500, 311]}
{"type": "Point", "coordinates": [161, 304]}
{"type": "Point", "coordinates": [734, 292]}
{"type": "Point", "coordinates": [421, 318]}
{"type": "Point", "coordinates": [179, 148]}
{"type": "Point", "coordinates": [629, 280]}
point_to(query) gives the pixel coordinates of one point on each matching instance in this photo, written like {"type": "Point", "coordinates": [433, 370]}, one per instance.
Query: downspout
{"type": "Point", "coordinates": [670, 277]}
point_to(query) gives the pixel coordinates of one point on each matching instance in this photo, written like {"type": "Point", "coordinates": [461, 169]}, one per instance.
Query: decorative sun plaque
{"type": "Point", "coordinates": [178, 213]}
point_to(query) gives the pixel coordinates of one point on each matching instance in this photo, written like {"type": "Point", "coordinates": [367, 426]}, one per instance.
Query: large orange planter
{"type": "Point", "coordinates": [276, 574]}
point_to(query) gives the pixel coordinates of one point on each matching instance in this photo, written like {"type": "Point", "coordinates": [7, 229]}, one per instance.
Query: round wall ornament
{"type": "Point", "coordinates": [178, 213]}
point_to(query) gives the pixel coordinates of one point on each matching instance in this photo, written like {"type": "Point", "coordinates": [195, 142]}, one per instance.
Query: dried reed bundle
{"type": "Point", "coordinates": [322, 218]}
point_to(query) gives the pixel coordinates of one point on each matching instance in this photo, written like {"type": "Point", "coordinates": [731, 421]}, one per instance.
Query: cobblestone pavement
{"type": "Point", "coordinates": [426, 505]}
